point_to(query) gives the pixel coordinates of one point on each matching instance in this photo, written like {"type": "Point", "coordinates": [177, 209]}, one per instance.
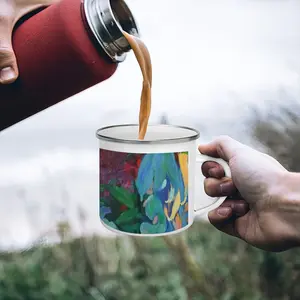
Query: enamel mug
{"type": "Point", "coordinates": [151, 187]}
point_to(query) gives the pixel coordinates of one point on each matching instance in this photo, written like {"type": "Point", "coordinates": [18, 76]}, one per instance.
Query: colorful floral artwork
{"type": "Point", "coordinates": [144, 193]}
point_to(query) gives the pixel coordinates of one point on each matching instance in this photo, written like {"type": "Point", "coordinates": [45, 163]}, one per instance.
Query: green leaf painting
{"type": "Point", "coordinates": [123, 196]}
{"type": "Point", "coordinates": [127, 216]}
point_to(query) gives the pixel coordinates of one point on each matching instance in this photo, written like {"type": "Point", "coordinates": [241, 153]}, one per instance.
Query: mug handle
{"type": "Point", "coordinates": [201, 159]}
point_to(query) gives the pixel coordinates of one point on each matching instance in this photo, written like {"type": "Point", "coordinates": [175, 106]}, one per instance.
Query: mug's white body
{"type": "Point", "coordinates": [159, 139]}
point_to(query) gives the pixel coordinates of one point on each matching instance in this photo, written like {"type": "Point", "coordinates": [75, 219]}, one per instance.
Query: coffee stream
{"type": "Point", "coordinates": [143, 57]}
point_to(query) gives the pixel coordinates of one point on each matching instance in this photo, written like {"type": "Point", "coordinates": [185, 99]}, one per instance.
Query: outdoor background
{"type": "Point", "coordinates": [222, 66]}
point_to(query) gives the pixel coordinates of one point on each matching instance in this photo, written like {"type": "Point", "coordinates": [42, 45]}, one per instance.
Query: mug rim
{"type": "Point", "coordinates": [192, 137]}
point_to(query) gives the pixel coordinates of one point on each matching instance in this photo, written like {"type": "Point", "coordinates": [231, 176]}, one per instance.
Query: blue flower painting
{"type": "Point", "coordinates": [144, 193]}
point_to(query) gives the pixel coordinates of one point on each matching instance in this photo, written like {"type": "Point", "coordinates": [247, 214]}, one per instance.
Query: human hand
{"type": "Point", "coordinates": [266, 213]}
{"type": "Point", "coordinates": [10, 12]}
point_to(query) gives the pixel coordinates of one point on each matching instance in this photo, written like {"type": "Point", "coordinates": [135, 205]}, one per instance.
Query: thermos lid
{"type": "Point", "coordinates": [107, 19]}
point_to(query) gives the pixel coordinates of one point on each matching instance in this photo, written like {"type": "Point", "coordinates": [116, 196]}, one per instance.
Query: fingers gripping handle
{"type": "Point", "coordinates": [201, 159]}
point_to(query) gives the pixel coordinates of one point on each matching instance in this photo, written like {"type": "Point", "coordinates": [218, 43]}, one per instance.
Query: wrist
{"type": "Point", "coordinates": [288, 199]}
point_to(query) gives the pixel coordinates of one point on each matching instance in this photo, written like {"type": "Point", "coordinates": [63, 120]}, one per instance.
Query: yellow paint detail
{"type": "Point", "coordinates": [184, 167]}
{"type": "Point", "coordinates": [178, 222]}
{"type": "Point", "coordinates": [175, 207]}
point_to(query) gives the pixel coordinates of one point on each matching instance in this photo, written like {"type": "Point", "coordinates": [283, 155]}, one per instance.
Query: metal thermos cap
{"type": "Point", "coordinates": [107, 19]}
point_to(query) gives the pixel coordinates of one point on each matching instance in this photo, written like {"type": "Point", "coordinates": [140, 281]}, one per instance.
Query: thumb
{"type": "Point", "coordinates": [8, 64]}
{"type": "Point", "coordinates": [224, 147]}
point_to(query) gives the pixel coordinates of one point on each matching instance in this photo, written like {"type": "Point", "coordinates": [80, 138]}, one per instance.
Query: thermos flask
{"type": "Point", "coordinates": [62, 50]}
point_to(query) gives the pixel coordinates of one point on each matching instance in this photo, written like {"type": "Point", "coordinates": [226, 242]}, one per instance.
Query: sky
{"type": "Point", "coordinates": [212, 61]}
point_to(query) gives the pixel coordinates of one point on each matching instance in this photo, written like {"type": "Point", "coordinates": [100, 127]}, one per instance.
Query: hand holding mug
{"type": "Point", "coordinates": [267, 213]}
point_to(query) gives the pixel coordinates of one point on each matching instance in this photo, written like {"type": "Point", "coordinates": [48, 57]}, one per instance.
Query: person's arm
{"type": "Point", "coordinates": [264, 204]}
{"type": "Point", "coordinates": [287, 195]}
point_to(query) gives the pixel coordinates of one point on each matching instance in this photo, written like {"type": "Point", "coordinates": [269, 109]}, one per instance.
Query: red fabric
{"type": "Point", "coordinates": [56, 58]}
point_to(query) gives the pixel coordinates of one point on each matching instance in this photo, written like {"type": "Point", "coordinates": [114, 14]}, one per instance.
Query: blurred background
{"type": "Point", "coordinates": [222, 66]}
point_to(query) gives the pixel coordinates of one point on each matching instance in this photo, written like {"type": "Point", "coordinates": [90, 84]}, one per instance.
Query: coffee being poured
{"type": "Point", "coordinates": [143, 57]}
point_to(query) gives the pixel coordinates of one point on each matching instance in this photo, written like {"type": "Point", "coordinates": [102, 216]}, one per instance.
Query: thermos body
{"type": "Point", "coordinates": [63, 50]}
